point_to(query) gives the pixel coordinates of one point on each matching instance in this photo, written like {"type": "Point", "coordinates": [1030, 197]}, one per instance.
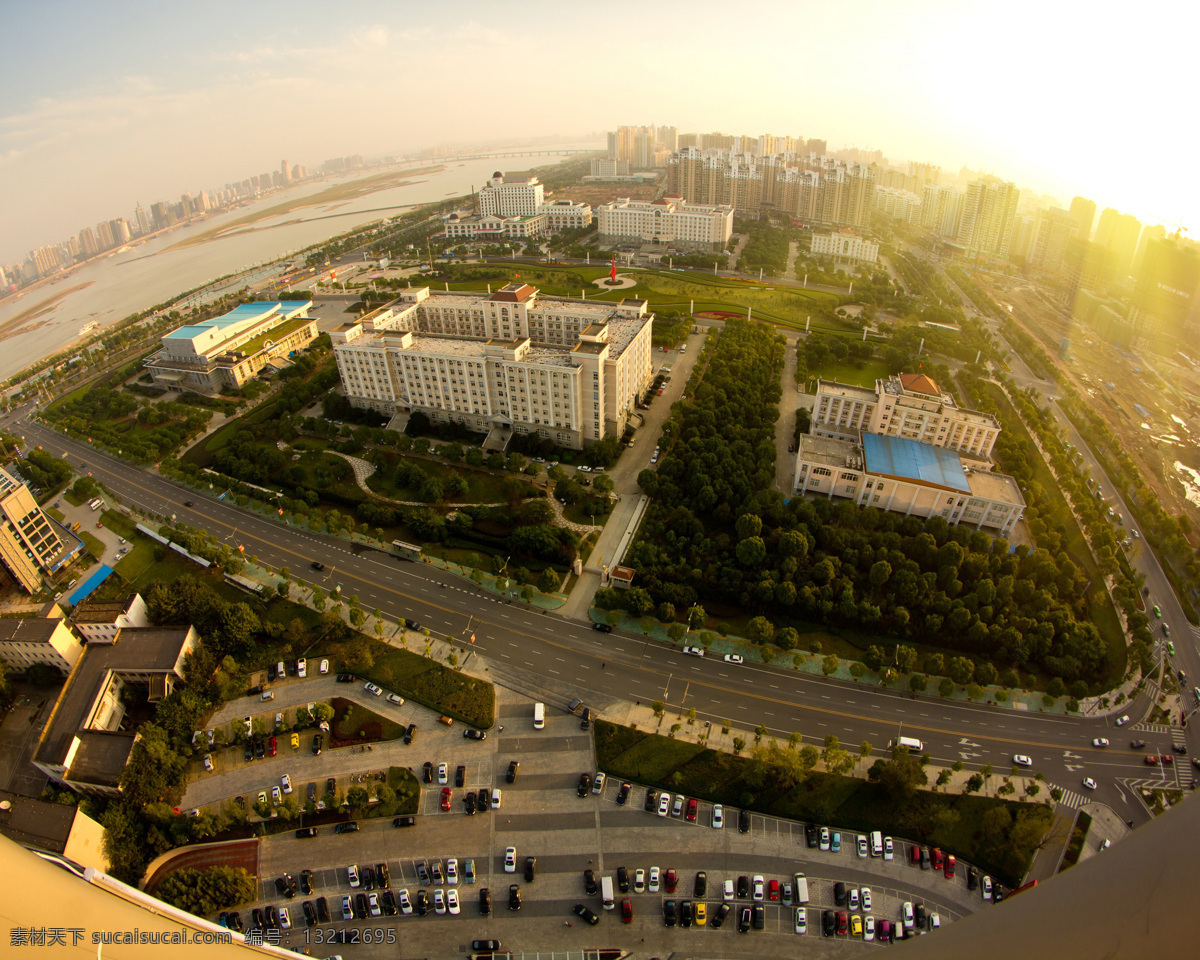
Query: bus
{"type": "Point", "coordinates": [406, 551]}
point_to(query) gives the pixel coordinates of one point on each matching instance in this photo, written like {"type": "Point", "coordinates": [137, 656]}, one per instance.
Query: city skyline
{"type": "Point", "coordinates": [79, 106]}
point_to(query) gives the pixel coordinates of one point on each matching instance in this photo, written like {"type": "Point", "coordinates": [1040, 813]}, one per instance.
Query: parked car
{"type": "Point", "coordinates": [485, 902]}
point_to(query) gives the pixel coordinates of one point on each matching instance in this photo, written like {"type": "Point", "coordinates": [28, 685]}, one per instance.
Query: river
{"type": "Point", "coordinates": [144, 275]}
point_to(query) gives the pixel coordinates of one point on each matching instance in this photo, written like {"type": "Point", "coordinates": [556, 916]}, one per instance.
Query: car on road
{"type": "Point", "coordinates": [734, 658]}
{"type": "Point", "coordinates": [345, 678]}
{"type": "Point", "coordinates": [393, 698]}
{"type": "Point", "coordinates": [1099, 742]}
{"type": "Point", "coordinates": [1157, 610]}
{"type": "Point", "coordinates": [602, 628]}
{"type": "Point", "coordinates": [318, 565]}
{"type": "Point", "coordinates": [1151, 760]}
{"type": "Point", "coordinates": [372, 689]}
{"type": "Point", "coordinates": [718, 816]}
{"type": "Point", "coordinates": [584, 913]}
{"type": "Point", "coordinates": [186, 503]}
{"type": "Point", "coordinates": [694, 651]}
{"type": "Point", "coordinates": [1121, 721]}
{"type": "Point", "coordinates": [1166, 760]}
{"type": "Point", "coordinates": [1089, 783]}
{"type": "Point", "coordinates": [350, 827]}
{"type": "Point", "coordinates": [445, 798]}
{"type": "Point", "coordinates": [1020, 760]}
{"type": "Point", "coordinates": [404, 822]}
{"type": "Point", "coordinates": [470, 733]}
{"type": "Point", "coordinates": [1137, 744]}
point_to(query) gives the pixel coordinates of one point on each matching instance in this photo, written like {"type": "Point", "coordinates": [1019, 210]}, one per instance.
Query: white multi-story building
{"type": "Point", "coordinates": [941, 209]}
{"type": "Point", "coordinates": [901, 204]}
{"type": "Point", "coordinates": [519, 197]}
{"type": "Point", "coordinates": [511, 361]}
{"type": "Point", "coordinates": [905, 476]}
{"type": "Point", "coordinates": [845, 245]}
{"type": "Point", "coordinates": [99, 621]}
{"type": "Point", "coordinates": [566, 215]}
{"type": "Point", "coordinates": [909, 406]}
{"type": "Point", "coordinates": [27, 641]}
{"type": "Point", "coordinates": [493, 227]}
{"type": "Point", "coordinates": [670, 219]}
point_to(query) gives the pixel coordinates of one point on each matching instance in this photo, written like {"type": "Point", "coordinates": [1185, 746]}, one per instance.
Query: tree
{"type": "Point", "coordinates": [358, 799]}
{"type": "Point", "coordinates": [864, 749]}
{"type": "Point", "coordinates": [974, 783]}
{"type": "Point", "coordinates": [830, 665]}
{"type": "Point", "coordinates": [917, 683]}
{"type": "Point", "coordinates": [961, 670]}
{"type": "Point", "coordinates": [760, 630]}
{"type": "Point", "coordinates": [902, 775]}
{"type": "Point", "coordinates": [946, 688]}
{"type": "Point", "coordinates": [943, 778]}
{"type": "Point", "coordinates": [658, 707]}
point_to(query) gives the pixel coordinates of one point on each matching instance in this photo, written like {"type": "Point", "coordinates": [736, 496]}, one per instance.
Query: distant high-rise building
{"type": "Point", "coordinates": [120, 231]}
{"type": "Point", "coordinates": [104, 235]}
{"type": "Point", "coordinates": [159, 215]}
{"type": "Point", "coordinates": [203, 202]}
{"type": "Point", "coordinates": [941, 208]}
{"type": "Point", "coordinates": [987, 219]}
{"type": "Point", "coordinates": [1156, 232]}
{"type": "Point", "coordinates": [819, 147]}
{"type": "Point", "coordinates": [87, 242]}
{"type": "Point", "coordinates": [285, 171]}
{"type": "Point", "coordinates": [1166, 296]}
{"type": "Point", "coordinates": [1052, 229]}
{"type": "Point", "coordinates": [1022, 236]}
{"type": "Point", "coordinates": [517, 197]}
{"type": "Point", "coordinates": [1083, 214]}
{"type": "Point", "coordinates": [144, 222]}
{"type": "Point", "coordinates": [1118, 233]}
{"type": "Point", "coordinates": [668, 138]}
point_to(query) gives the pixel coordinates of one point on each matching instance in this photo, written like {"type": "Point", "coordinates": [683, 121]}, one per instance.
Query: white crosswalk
{"type": "Point", "coordinates": [1071, 799]}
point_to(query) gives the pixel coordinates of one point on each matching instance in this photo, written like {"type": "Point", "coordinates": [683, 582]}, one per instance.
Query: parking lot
{"type": "Point", "coordinates": [542, 815]}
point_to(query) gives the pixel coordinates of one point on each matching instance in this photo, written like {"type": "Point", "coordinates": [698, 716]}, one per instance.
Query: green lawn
{"type": "Point", "coordinates": [860, 375]}
{"type": "Point", "coordinates": [357, 724]}
{"type": "Point", "coordinates": [438, 687]}
{"type": "Point", "coordinates": [846, 802]}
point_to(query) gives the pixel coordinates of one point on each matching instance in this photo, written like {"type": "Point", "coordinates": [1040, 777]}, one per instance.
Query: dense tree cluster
{"type": "Point", "coordinates": [111, 418]}
{"type": "Point", "coordinates": [206, 891]}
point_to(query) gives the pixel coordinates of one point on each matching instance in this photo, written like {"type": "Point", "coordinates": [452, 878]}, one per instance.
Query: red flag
{"type": "Point", "coordinates": [613, 272]}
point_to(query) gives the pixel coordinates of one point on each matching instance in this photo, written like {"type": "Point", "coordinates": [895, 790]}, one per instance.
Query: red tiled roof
{"type": "Point", "coordinates": [919, 383]}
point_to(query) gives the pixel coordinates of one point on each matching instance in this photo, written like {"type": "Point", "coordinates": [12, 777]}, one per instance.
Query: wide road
{"type": "Point", "coordinates": [543, 648]}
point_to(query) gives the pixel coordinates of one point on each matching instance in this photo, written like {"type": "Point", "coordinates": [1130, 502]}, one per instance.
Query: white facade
{"type": "Point", "coordinates": [569, 370]}
{"type": "Point", "coordinates": [493, 227]}
{"type": "Point", "coordinates": [566, 215]}
{"type": "Point", "coordinates": [511, 198]}
{"type": "Point", "coordinates": [28, 641]}
{"type": "Point", "coordinates": [909, 406]}
{"type": "Point", "coordinates": [670, 219]}
{"type": "Point", "coordinates": [901, 204]}
{"type": "Point", "coordinates": [100, 622]}
{"type": "Point", "coordinates": [846, 245]}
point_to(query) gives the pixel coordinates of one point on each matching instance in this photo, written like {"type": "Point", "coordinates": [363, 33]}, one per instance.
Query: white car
{"type": "Point", "coordinates": [987, 888]}
{"type": "Point", "coordinates": [276, 797]}
{"type": "Point", "coordinates": [639, 881]}
{"type": "Point", "coordinates": [868, 928]}
{"type": "Point", "coordinates": [285, 921]}
{"type": "Point", "coordinates": [906, 911]}
{"type": "Point", "coordinates": [852, 903]}
{"type": "Point", "coordinates": [324, 667]}
{"type": "Point", "coordinates": [862, 846]}
{"type": "Point", "coordinates": [734, 658]}
{"type": "Point", "coordinates": [825, 839]}
{"type": "Point", "coordinates": [1089, 783]}
{"type": "Point", "coordinates": [267, 695]}
{"type": "Point", "coordinates": [443, 774]}
{"type": "Point", "coordinates": [286, 782]}
{"type": "Point", "coordinates": [404, 903]}
{"type": "Point", "coordinates": [452, 870]}
{"type": "Point", "coordinates": [718, 816]}
{"type": "Point", "coordinates": [1021, 760]}
{"type": "Point", "coordinates": [301, 668]}
{"type": "Point", "coordinates": [208, 762]}
{"type": "Point", "coordinates": [1099, 742]}
{"type": "Point", "coordinates": [373, 904]}
{"type": "Point", "coordinates": [496, 796]}
{"type": "Point", "coordinates": [352, 873]}
{"type": "Point", "coordinates": [1121, 721]}
{"type": "Point", "coordinates": [664, 804]}
{"type": "Point", "coordinates": [888, 849]}
{"type": "Point", "coordinates": [727, 891]}
{"type": "Point", "coordinates": [801, 920]}
{"type": "Point", "coordinates": [451, 901]}
{"type": "Point", "coordinates": [373, 690]}
{"type": "Point", "coordinates": [655, 879]}
{"type": "Point", "coordinates": [694, 651]}
{"type": "Point", "coordinates": [398, 701]}
{"type": "Point", "coordinates": [934, 921]}
{"type": "Point", "coordinates": [866, 899]}
{"type": "Point", "coordinates": [439, 903]}
{"type": "Point", "coordinates": [759, 886]}
{"type": "Point", "coordinates": [510, 860]}
{"type": "Point", "coordinates": [677, 807]}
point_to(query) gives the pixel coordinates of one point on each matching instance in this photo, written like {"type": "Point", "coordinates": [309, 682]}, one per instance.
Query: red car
{"type": "Point", "coordinates": [1151, 760]}
{"type": "Point", "coordinates": [627, 911]}
{"type": "Point", "coordinates": [672, 880]}
{"type": "Point", "coordinates": [445, 798]}
{"type": "Point", "coordinates": [773, 890]}
{"type": "Point", "coordinates": [949, 866]}
{"type": "Point", "coordinates": [1166, 760]}
{"type": "Point", "coordinates": [843, 923]}
{"type": "Point", "coordinates": [271, 747]}
{"type": "Point", "coordinates": [914, 855]}
{"type": "Point", "coordinates": [693, 805]}
{"type": "Point", "coordinates": [938, 858]}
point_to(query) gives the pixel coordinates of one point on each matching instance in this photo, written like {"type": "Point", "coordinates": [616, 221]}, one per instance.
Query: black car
{"type": "Point", "coordinates": [368, 878]}
{"type": "Point", "coordinates": [623, 793]}
{"type": "Point", "coordinates": [585, 723]}
{"type": "Point", "coordinates": [651, 801]}
{"type": "Point", "coordinates": [485, 901]}
{"type": "Point", "coordinates": [530, 869]}
{"type": "Point", "coordinates": [839, 893]}
{"type": "Point", "coordinates": [345, 678]}
{"type": "Point", "coordinates": [389, 903]}
{"type": "Point", "coordinates": [460, 776]}
{"type": "Point", "coordinates": [331, 785]}
{"type": "Point", "coordinates": [318, 740]}
{"type": "Point", "coordinates": [304, 832]}
{"type": "Point", "coordinates": [585, 784]}
{"type": "Point", "coordinates": [404, 822]}
{"type": "Point", "coordinates": [828, 923]}
{"type": "Point", "coordinates": [482, 802]}
{"type": "Point", "coordinates": [972, 878]}
{"type": "Point", "coordinates": [411, 624]}
{"type": "Point", "coordinates": [361, 910]}
{"type": "Point", "coordinates": [1179, 747]}
{"type": "Point", "coordinates": [744, 919]}
{"type": "Point", "coordinates": [285, 886]}
{"type": "Point", "coordinates": [260, 919]}
{"type": "Point", "coordinates": [235, 921]}
{"type": "Point", "coordinates": [514, 897]}
{"type": "Point", "coordinates": [351, 827]}
{"type": "Point", "coordinates": [743, 887]}
{"type": "Point", "coordinates": [760, 916]}
{"type": "Point", "coordinates": [260, 750]}
{"type": "Point", "coordinates": [486, 946]}
{"type": "Point", "coordinates": [513, 767]}
{"type": "Point", "coordinates": [670, 914]}
{"type": "Point", "coordinates": [322, 910]}
{"type": "Point", "coordinates": [919, 911]}
{"type": "Point", "coordinates": [700, 887]}
{"type": "Point", "coordinates": [272, 917]}
{"type": "Point", "coordinates": [472, 734]}
{"type": "Point", "coordinates": [685, 913]}
{"type": "Point", "coordinates": [318, 565]}
{"type": "Point", "coordinates": [254, 691]}
{"type": "Point", "coordinates": [469, 804]}
{"type": "Point", "coordinates": [306, 882]}
{"type": "Point", "coordinates": [410, 734]}
{"type": "Point", "coordinates": [602, 627]}
{"type": "Point", "coordinates": [743, 821]}
{"type": "Point", "coordinates": [383, 875]}
{"type": "Point", "coordinates": [310, 913]}
{"type": "Point", "coordinates": [718, 918]}
{"type": "Point", "coordinates": [249, 751]}
{"type": "Point", "coordinates": [623, 879]}
{"type": "Point", "coordinates": [586, 914]}
{"type": "Point", "coordinates": [812, 836]}
{"type": "Point", "coordinates": [427, 772]}
{"type": "Point", "coordinates": [187, 503]}
{"type": "Point", "coordinates": [421, 905]}
{"type": "Point", "coordinates": [589, 883]}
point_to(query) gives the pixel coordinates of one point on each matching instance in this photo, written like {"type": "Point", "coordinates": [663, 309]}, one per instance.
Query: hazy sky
{"type": "Point", "coordinates": [103, 105]}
